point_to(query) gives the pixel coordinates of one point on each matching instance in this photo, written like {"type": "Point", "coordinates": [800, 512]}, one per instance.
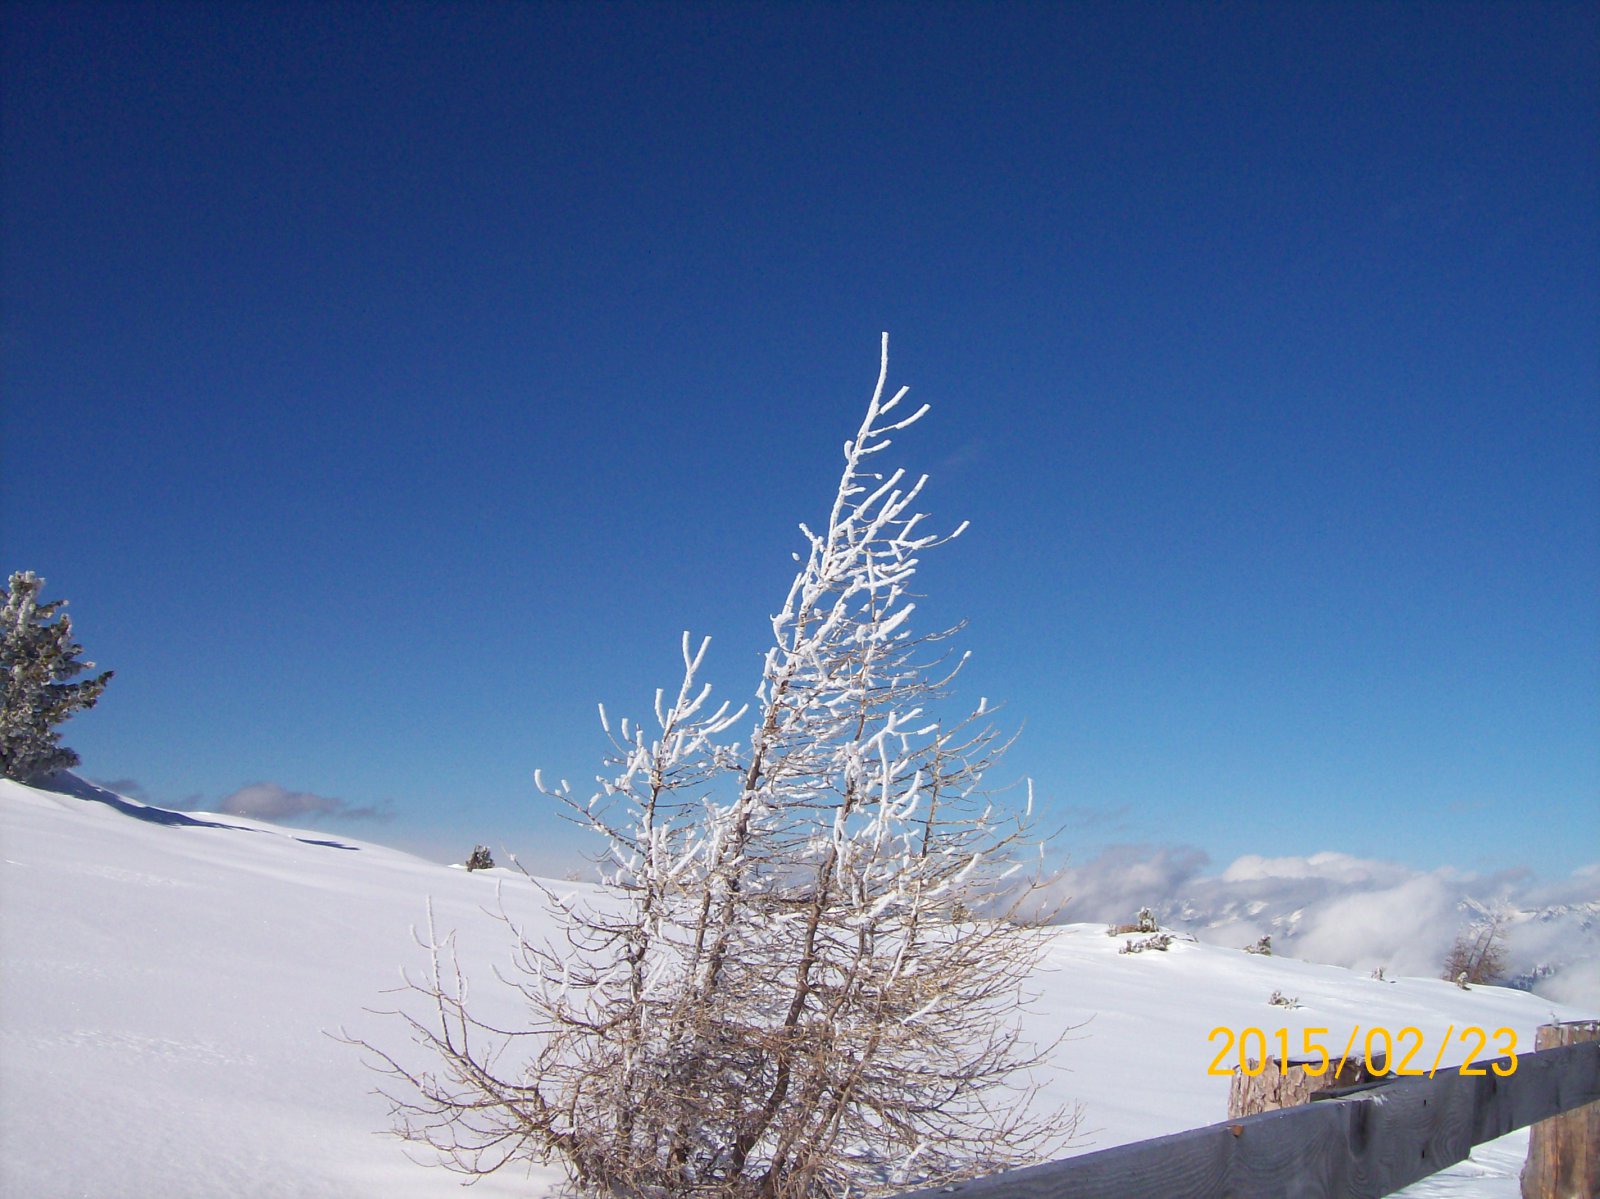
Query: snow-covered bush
{"type": "Point", "coordinates": [1144, 922]}
{"type": "Point", "coordinates": [1160, 941]}
{"type": "Point", "coordinates": [772, 1001]}
{"type": "Point", "coordinates": [37, 657]}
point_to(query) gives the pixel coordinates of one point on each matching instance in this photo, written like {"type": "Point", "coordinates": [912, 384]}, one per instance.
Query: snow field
{"type": "Point", "coordinates": [168, 993]}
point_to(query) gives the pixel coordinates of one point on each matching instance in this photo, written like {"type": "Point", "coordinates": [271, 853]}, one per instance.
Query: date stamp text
{"type": "Point", "coordinates": [1379, 1049]}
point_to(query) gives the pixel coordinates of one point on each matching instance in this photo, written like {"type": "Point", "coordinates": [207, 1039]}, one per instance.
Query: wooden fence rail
{"type": "Point", "coordinates": [1358, 1144]}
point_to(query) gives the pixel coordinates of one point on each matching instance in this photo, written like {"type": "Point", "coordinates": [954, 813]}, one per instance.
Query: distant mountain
{"type": "Point", "coordinates": [1363, 914]}
{"type": "Point", "coordinates": [1546, 947]}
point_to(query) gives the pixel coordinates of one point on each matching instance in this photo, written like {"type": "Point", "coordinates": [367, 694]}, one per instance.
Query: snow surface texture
{"type": "Point", "coordinates": [170, 982]}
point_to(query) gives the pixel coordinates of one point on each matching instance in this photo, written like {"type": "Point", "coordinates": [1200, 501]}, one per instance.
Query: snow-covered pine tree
{"type": "Point", "coordinates": [37, 657]}
{"type": "Point", "coordinates": [774, 1001]}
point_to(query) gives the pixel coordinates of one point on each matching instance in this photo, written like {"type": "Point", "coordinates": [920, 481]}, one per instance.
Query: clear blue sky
{"type": "Point", "coordinates": [386, 385]}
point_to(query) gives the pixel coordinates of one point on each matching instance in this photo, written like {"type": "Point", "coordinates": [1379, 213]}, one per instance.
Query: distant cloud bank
{"type": "Point", "coordinates": [1363, 913]}
{"type": "Point", "coordinates": [269, 801]}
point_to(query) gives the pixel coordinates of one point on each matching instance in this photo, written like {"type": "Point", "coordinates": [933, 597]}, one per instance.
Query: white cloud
{"type": "Point", "coordinates": [1124, 878]}
{"type": "Point", "coordinates": [1337, 867]}
{"type": "Point", "coordinates": [1582, 884]}
{"type": "Point", "coordinates": [270, 801]}
{"type": "Point", "coordinates": [1578, 984]}
{"type": "Point", "coordinates": [1405, 928]}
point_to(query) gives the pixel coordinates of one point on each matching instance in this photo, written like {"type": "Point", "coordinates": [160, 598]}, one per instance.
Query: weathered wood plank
{"type": "Point", "coordinates": [1564, 1151]}
{"type": "Point", "coordinates": [1356, 1146]}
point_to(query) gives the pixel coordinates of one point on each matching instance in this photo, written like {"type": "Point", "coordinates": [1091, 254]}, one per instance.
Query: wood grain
{"type": "Point", "coordinates": [1353, 1146]}
{"type": "Point", "coordinates": [1564, 1151]}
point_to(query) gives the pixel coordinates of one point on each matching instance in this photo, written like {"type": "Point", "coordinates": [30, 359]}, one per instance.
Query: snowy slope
{"type": "Point", "coordinates": [169, 984]}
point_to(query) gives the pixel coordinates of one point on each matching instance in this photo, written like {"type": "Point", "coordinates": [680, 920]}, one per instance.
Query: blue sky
{"type": "Point", "coordinates": [387, 385]}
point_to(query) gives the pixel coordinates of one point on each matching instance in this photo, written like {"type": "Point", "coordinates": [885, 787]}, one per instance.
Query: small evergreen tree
{"type": "Point", "coordinates": [37, 657]}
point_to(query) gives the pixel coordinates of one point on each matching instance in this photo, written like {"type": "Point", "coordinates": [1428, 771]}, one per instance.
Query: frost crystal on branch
{"type": "Point", "coordinates": [784, 992]}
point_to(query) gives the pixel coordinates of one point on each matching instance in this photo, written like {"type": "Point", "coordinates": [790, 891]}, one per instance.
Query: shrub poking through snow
{"type": "Point", "coordinates": [1159, 941]}
{"type": "Point", "coordinates": [37, 657]}
{"type": "Point", "coordinates": [1144, 922]}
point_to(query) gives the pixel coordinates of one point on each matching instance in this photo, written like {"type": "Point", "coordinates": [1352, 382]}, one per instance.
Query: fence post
{"type": "Point", "coordinates": [1564, 1151]}
{"type": "Point", "coordinates": [1281, 1084]}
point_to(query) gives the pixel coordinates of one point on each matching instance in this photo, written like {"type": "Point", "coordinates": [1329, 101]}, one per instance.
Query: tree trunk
{"type": "Point", "coordinates": [1564, 1151]}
